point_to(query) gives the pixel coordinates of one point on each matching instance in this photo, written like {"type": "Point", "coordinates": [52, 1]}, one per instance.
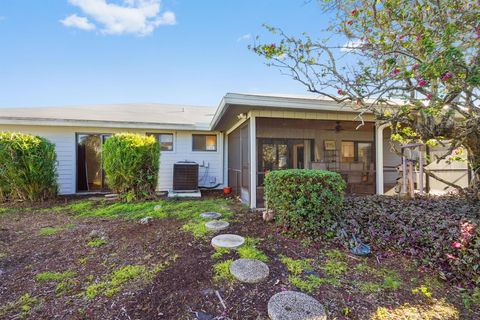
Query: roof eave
{"type": "Point", "coordinates": [275, 102]}
{"type": "Point", "coordinates": [103, 124]}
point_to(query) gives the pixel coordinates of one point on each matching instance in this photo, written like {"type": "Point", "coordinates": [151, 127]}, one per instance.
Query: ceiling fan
{"type": "Point", "coordinates": [338, 127]}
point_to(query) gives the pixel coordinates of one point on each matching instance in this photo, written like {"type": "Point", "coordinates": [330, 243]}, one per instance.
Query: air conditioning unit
{"type": "Point", "coordinates": [185, 176]}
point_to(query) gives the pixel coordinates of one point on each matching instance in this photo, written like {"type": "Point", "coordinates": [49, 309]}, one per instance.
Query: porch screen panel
{"type": "Point", "coordinates": [234, 167]}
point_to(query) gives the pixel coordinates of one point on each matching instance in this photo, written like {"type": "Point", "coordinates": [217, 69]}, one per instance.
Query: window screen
{"type": "Point", "coordinates": [203, 142]}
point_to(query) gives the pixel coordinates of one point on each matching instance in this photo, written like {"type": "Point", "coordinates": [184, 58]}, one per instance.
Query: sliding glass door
{"type": "Point", "coordinates": [278, 154]}
{"type": "Point", "coordinates": [90, 175]}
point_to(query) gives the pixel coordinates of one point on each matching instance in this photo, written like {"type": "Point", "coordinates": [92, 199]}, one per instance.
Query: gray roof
{"type": "Point", "coordinates": [167, 116]}
{"type": "Point", "coordinates": [149, 115]}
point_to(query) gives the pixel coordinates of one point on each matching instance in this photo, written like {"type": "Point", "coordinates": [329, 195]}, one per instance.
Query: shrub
{"type": "Point", "coordinates": [27, 167]}
{"type": "Point", "coordinates": [305, 201]}
{"type": "Point", "coordinates": [131, 164]}
{"type": "Point", "coordinates": [444, 232]}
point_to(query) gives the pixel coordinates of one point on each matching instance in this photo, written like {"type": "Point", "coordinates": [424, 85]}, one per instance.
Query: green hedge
{"type": "Point", "coordinates": [305, 201]}
{"type": "Point", "coordinates": [27, 167]}
{"type": "Point", "coordinates": [131, 164]}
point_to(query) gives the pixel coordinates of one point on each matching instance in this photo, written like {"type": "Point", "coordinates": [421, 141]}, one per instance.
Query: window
{"type": "Point", "coordinates": [204, 142]}
{"type": "Point", "coordinates": [165, 140]}
{"type": "Point", "coordinates": [356, 151]}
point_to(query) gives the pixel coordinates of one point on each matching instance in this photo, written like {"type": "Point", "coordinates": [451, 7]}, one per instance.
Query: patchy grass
{"type": "Point", "coordinates": [23, 306]}
{"type": "Point", "coordinates": [221, 271]}
{"type": "Point", "coordinates": [97, 242]}
{"type": "Point", "coordinates": [249, 250]}
{"type": "Point", "coordinates": [296, 267]}
{"type": "Point", "coordinates": [114, 282]}
{"type": "Point", "coordinates": [436, 310]}
{"type": "Point", "coordinates": [179, 209]}
{"type": "Point", "coordinates": [196, 227]}
{"type": "Point", "coordinates": [335, 265]}
{"type": "Point", "coordinates": [64, 280]}
{"type": "Point", "coordinates": [388, 279]}
{"type": "Point", "coordinates": [311, 282]}
{"type": "Point", "coordinates": [220, 252]}
{"type": "Point", "coordinates": [54, 276]}
{"type": "Point", "coordinates": [48, 231]}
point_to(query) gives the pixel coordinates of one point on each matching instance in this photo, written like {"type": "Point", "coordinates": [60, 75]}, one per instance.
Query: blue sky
{"type": "Point", "coordinates": [73, 52]}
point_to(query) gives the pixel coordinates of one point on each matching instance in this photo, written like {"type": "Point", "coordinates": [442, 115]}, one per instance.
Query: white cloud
{"type": "Point", "coordinates": [139, 17]}
{"type": "Point", "coordinates": [77, 22]}
{"type": "Point", "coordinates": [247, 36]}
{"type": "Point", "coordinates": [352, 45]}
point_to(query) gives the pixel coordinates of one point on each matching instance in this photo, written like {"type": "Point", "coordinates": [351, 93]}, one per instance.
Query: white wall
{"type": "Point", "coordinates": [65, 147]}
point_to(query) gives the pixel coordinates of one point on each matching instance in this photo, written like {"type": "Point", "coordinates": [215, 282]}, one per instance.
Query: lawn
{"type": "Point", "coordinates": [91, 259]}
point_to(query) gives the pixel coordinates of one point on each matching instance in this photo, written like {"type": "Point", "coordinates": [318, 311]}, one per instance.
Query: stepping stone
{"type": "Point", "coordinates": [229, 241]}
{"type": "Point", "coordinates": [216, 225]}
{"type": "Point", "coordinates": [292, 305]}
{"type": "Point", "coordinates": [210, 215]}
{"type": "Point", "coordinates": [249, 270]}
{"type": "Point", "coordinates": [158, 207]}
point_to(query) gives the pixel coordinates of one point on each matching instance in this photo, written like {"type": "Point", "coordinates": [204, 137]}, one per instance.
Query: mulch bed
{"type": "Point", "coordinates": [183, 288]}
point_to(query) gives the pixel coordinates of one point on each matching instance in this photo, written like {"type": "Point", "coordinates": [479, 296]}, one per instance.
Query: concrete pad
{"type": "Point", "coordinates": [173, 194]}
{"type": "Point", "coordinates": [292, 305]}
{"type": "Point", "coordinates": [210, 215]}
{"type": "Point", "coordinates": [249, 270]}
{"type": "Point", "coordinates": [216, 225]}
{"type": "Point", "coordinates": [229, 241]}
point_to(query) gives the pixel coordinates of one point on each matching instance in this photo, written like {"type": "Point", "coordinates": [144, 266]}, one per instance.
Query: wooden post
{"type": "Point", "coordinates": [420, 169]}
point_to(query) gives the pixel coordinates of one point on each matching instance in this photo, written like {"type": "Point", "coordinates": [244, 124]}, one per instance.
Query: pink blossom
{"type": "Point", "coordinates": [415, 67]}
{"type": "Point", "coordinates": [429, 96]}
{"type": "Point", "coordinates": [422, 83]}
{"type": "Point", "coordinates": [456, 245]}
{"type": "Point", "coordinates": [350, 22]}
{"type": "Point", "coordinates": [451, 256]}
{"type": "Point", "coordinates": [354, 12]}
{"type": "Point", "coordinates": [447, 75]}
{"type": "Point", "coordinates": [340, 92]}
{"type": "Point", "coordinates": [396, 71]}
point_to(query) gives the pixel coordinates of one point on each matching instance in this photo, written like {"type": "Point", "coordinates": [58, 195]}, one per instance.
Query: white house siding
{"type": "Point", "coordinates": [65, 147]}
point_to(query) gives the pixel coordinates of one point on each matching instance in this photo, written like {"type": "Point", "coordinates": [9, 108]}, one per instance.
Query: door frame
{"type": "Point", "coordinates": [102, 137]}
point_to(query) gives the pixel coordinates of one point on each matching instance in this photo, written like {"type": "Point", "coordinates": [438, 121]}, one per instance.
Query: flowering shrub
{"type": "Point", "coordinates": [444, 232]}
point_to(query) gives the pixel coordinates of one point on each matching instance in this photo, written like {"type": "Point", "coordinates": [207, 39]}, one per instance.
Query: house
{"type": "Point", "coordinates": [235, 144]}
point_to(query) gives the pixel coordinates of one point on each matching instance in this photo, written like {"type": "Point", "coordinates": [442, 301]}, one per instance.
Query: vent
{"type": "Point", "coordinates": [185, 177]}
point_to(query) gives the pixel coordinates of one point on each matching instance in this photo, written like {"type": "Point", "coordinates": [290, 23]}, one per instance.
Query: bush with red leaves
{"type": "Point", "coordinates": [442, 232]}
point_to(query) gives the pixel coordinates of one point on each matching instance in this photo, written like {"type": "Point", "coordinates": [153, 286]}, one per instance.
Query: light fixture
{"type": "Point", "coordinates": [242, 116]}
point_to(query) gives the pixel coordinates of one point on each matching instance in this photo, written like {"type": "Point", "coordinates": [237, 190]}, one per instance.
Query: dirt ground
{"type": "Point", "coordinates": [184, 288]}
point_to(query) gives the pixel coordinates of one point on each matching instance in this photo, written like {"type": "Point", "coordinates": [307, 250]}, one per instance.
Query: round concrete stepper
{"type": "Point", "coordinates": [158, 207]}
{"type": "Point", "coordinates": [210, 215]}
{"type": "Point", "coordinates": [292, 305]}
{"type": "Point", "coordinates": [229, 241]}
{"type": "Point", "coordinates": [216, 225]}
{"type": "Point", "coordinates": [249, 270]}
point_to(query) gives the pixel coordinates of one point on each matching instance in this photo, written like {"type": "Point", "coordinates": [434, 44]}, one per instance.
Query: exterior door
{"type": "Point", "coordinates": [90, 174]}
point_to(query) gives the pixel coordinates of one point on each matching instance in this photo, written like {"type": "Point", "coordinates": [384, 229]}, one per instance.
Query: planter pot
{"type": "Point", "coordinates": [227, 190]}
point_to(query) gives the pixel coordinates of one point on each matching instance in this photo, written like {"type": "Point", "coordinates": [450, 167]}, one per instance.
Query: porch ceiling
{"type": "Point", "coordinates": [232, 105]}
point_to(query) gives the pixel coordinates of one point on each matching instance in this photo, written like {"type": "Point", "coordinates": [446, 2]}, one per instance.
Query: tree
{"type": "Point", "coordinates": [414, 64]}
